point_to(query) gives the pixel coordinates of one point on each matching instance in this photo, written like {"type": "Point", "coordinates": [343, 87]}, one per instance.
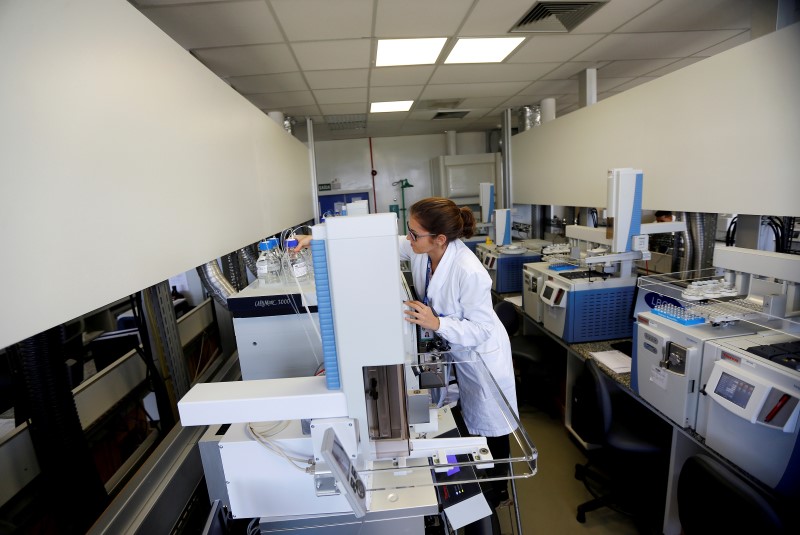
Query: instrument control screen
{"type": "Point", "coordinates": [734, 389]}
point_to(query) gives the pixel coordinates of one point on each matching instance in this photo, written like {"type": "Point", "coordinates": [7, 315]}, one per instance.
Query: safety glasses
{"type": "Point", "coordinates": [414, 236]}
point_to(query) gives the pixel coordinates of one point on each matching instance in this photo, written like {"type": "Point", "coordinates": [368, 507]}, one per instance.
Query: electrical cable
{"type": "Point", "coordinates": [781, 230]}
{"type": "Point", "coordinates": [268, 444]}
{"type": "Point", "coordinates": [731, 232]}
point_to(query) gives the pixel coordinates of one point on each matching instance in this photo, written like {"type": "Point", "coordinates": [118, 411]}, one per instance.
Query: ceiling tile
{"type": "Point", "coordinates": [400, 92]}
{"type": "Point", "coordinates": [278, 101]}
{"type": "Point", "coordinates": [482, 102]}
{"type": "Point", "coordinates": [343, 109]}
{"type": "Point", "coordinates": [672, 67]}
{"type": "Point", "coordinates": [566, 100]}
{"type": "Point", "coordinates": [552, 87]}
{"type": "Point", "coordinates": [654, 45]}
{"type": "Point", "coordinates": [567, 109]}
{"type": "Point", "coordinates": [242, 60]}
{"type": "Point", "coordinates": [740, 39]}
{"type": "Point", "coordinates": [269, 83]}
{"type": "Point", "coordinates": [473, 90]}
{"type": "Point", "coordinates": [461, 74]}
{"type": "Point", "coordinates": [493, 18]}
{"type": "Point", "coordinates": [571, 69]}
{"type": "Point", "coordinates": [337, 79]}
{"type": "Point", "coordinates": [422, 115]}
{"type": "Point", "coordinates": [541, 48]}
{"type": "Point", "coordinates": [612, 15]}
{"type": "Point", "coordinates": [302, 111]}
{"type": "Point", "coordinates": [633, 83]}
{"type": "Point", "coordinates": [683, 15]}
{"type": "Point", "coordinates": [324, 55]}
{"type": "Point", "coordinates": [606, 94]}
{"type": "Point", "coordinates": [419, 18]}
{"type": "Point", "coordinates": [303, 20]}
{"type": "Point", "coordinates": [418, 74]}
{"type": "Point", "coordinates": [527, 100]}
{"type": "Point", "coordinates": [634, 67]}
{"type": "Point", "coordinates": [219, 24]}
{"type": "Point", "coordinates": [607, 84]}
{"type": "Point", "coordinates": [477, 113]}
{"type": "Point", "coordinates": [341, 96]}
{"type": "Point", "coordinates": [389, 116]}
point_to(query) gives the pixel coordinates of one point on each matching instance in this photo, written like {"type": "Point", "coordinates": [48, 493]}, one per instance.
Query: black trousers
{"type": "Point", "coordinates": [494, 491]}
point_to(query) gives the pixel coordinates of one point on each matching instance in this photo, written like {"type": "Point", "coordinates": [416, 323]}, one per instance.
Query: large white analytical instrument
{"type": "Point", "coordinates": [754, 403]}
{"type": "Point", "coordinates": [278, 438]}
{"type": "Point", "coordinates": [588, 295]}
{"type": "Point", "coordinates": [276, 327]}
{"type": "Point", "coordinates": [504, 264]}
{"type": "Point", "coordinates": [719, 354]}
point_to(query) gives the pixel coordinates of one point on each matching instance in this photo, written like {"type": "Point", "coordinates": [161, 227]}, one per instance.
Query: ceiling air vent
{"type": "Point", "coordinates": [439, 104]}
{"type": "Point", "coordinates": [346, 122]}
{"type": "Point", "coordinates": [450, 115]}
{"type": "Point", "coordinates": [555, 17]}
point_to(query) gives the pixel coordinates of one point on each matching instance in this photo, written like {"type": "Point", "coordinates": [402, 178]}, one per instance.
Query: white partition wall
{"type": "Point", "coordinates": [718, 136]}
{"type": "Point", "coordinates": [123, 161]}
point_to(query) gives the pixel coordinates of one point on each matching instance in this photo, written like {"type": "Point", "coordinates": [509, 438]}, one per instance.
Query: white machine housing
{"type": "Point", "coordinates": [265, 313]}
{"type": "Point", "coordinates": [504, 264]}
{"type": "Point", "coordinates": [370, 333]}
{"type": "Point", "coordinates": [670, 363]}
{"type": "Point", "coordinates": [752, 411]}
{"type": "Point", "coordinates": [585, 308]}
{"type": "Point", "coordinates": [533, 276]}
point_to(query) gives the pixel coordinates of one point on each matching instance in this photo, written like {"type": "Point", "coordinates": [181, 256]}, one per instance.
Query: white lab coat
{"type": "Point", "coordinates": [460, 293]}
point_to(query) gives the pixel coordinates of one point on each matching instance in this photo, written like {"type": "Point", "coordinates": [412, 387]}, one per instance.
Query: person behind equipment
{"type": "Point", "coordinates": [456, 303]}
{"type": "Point", "coordinates": [664, 216]}
{"type": "Point", "coordinates": [661, 243]}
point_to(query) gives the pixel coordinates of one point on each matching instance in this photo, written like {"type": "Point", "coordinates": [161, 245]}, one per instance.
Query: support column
{"type": "Point", "coordinates": [587, 88]}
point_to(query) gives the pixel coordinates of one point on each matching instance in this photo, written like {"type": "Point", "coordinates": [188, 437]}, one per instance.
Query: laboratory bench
{"type": "Point", "coordinates": [684, 442]}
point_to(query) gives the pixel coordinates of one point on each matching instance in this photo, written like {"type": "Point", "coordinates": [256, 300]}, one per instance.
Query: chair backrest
{"type": "Point", "coordinates": [591, 405]}
{"type": "Point", "coordinates": [712, 499]}
{"type": "Point", "coordinates": [508, 315]}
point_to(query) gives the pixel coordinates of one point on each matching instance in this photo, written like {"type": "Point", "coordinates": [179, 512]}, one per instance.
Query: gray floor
{"type": "Point", "coordinates": [548, 499]}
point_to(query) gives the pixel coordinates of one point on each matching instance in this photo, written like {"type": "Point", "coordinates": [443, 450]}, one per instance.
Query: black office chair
{"type": "Point", "coordinates": [537, 360]}
{"type": "Point", "coordinates": [713, 499]}
{"type": "Point", "coordinates": [628, 472]}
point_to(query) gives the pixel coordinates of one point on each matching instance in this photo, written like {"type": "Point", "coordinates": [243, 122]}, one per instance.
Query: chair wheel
{"type": "Point", "coordinates": [581, 517]}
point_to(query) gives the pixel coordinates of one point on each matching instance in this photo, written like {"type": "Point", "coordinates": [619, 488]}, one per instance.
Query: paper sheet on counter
{"type": "Point", "coordinates": [616, 361]}
{"type": "Point", "coordinates": [515, 300]}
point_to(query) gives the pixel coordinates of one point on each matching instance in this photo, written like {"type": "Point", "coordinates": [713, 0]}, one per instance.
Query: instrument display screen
{"type": "Point", "coordinates": [547, 292]}
{"type": "Point", "coordinates": [734, 389]}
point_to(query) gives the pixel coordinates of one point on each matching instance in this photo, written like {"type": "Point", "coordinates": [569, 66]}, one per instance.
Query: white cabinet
{"type": "Point", "coordinates": [458, 177]}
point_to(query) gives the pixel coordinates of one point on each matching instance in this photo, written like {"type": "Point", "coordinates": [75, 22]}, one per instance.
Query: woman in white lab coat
{"type": "Point", "coordinates": [455, 301]}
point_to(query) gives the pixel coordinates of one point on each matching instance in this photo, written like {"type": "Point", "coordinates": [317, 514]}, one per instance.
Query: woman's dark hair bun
{"type": "Point", "coordinates": [469, 222]}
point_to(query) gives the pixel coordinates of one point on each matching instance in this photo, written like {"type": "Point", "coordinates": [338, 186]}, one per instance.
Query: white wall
{"type": "Point", "coordinates": [395, 158]}
{"type": "Point", "coordinates": [123, 161]}
{"type": "Point", "coordinates": [718, 136]}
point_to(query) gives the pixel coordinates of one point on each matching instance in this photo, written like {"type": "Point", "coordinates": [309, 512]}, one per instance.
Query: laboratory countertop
{"type": "Point", "coordinates": [584, 349]}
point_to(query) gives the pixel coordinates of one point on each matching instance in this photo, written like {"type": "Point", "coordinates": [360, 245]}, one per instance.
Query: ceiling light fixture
{"type": "Point", "coordinates": [397, 105]}
{"type": "Point", "coordinates": [408, 51]}
{"type": "Point", "coordinates": [483, 50]}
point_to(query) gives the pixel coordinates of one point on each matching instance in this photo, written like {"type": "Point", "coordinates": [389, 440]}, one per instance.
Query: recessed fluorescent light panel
{"type": "Point", "coordinates": [483, 50]}
{"type": "Point", "coordinates": [408, 51]}
{"type": "Point", "coordinates": [397, 105]}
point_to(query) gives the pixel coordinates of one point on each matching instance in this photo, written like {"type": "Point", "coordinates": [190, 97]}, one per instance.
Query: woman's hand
{"type": "Point", "coordinates": [422, 315]}
{"type": "Point", "coordinates": [303, 241]}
